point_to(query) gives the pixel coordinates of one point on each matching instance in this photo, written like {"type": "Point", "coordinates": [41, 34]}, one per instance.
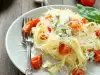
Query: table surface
{"type": "Point", "coordinates": [9, 11]}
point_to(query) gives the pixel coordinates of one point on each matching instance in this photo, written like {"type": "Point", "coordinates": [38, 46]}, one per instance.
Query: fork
{"type": "Point", "coordinates": [26, 41]}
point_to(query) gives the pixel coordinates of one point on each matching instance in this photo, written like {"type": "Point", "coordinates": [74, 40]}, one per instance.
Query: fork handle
{"type": "Point", "coordinates": [29, 68]}
{"type": "Point", "coordinates": [28, 54]}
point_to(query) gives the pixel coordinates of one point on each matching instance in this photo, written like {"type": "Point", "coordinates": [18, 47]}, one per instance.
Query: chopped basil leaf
{"type": "Point", "coordinates": [90, 13]}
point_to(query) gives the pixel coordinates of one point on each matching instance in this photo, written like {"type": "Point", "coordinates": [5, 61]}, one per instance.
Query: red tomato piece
{"type": "Point", "coordinates": [27, 28]}
{"type": "Point", "coordinates": [88, 2]}
{"type": "Point", "coordinates": [36, 62]}
{"type": "Point", "coordinates": [97, 55]}
{"type": "Point", "coordinates": [40, 58]}
{"type": "Point", "coordinates": [84, 20]}
{"type": "Point", "coordinates": [78, 71]}
{"type": "Point", "coordinates": [97, 33]}
{"type": "Point", "coordinates": [35, 22]}
{"type": "Point", "coordinates": [49, 29]}
{"type": "Point", "coordinates": [75, 26]}
{"type": "Point", "coordinates": [43, 36]}
{"type": "Point", "coordinates": [32, 23]}
{"type": "Point", "coordinates": [64, 49]}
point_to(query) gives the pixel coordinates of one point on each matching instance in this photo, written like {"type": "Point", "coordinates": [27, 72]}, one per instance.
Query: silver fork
{"type": "Point", "coordinates": [26, 41]}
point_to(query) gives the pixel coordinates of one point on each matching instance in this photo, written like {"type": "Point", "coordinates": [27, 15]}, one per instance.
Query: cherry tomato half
{"type": "Point", "coordinates": [35, 22]}
{"type": "Point", "coordinates": [97, 55]}
{"type": "Point", "coordinates": [78, 71]}
{"type": "Point", "coordinates": [36, 62]}
{"type": "Point", "coordinates": [32, 23]}
{"type": "Point", "coordinates": [64, 49]}
{"type": "Point", "coordinates": [27, 28]}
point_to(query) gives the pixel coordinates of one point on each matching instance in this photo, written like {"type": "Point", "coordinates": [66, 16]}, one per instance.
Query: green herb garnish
{"type": "Point", "coordinates": [90, 13]}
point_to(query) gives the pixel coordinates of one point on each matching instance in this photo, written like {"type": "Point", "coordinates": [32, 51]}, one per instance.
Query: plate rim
{"type": "Point", "coordinates": [7, 33]}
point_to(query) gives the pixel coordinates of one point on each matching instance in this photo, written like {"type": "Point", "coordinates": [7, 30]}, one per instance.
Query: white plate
{"type": "Point", "coordinates": [13, 39]}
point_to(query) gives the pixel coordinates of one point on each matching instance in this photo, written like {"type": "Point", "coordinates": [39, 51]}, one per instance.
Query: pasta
{"type": "Point", "coordinates": [69, 29]}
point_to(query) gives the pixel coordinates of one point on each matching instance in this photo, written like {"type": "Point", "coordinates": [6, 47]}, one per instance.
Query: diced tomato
{"type": "Point", "coordinates": [75, 26]}
{"type": "Point", "coordinates": [78, 71]}
{"type": "Point", "coordinates": [43, 36]}
{"type": "Point", "coordinates": [64, 49]}
{"type": "Point", "coordinates": [84, 20]}
{"type": "Point", "coordinates": [35, 22]}
{"type": "Point", "coordinates": [31, 23]}
{"type": "Point", "coordinates": [49, 29]}
{"type": "Point", "coordinates": [97, 33]}
{"type": "Point", "coordinates": [27, 28]}
{"type": "Point", "coordinates": [97, 55]}
{"type": "Point", "coordinates": [36, 62]}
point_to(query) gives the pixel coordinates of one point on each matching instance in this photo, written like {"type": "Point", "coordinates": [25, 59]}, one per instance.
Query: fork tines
{"type": "Point", "coordinates": [24, 35]}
